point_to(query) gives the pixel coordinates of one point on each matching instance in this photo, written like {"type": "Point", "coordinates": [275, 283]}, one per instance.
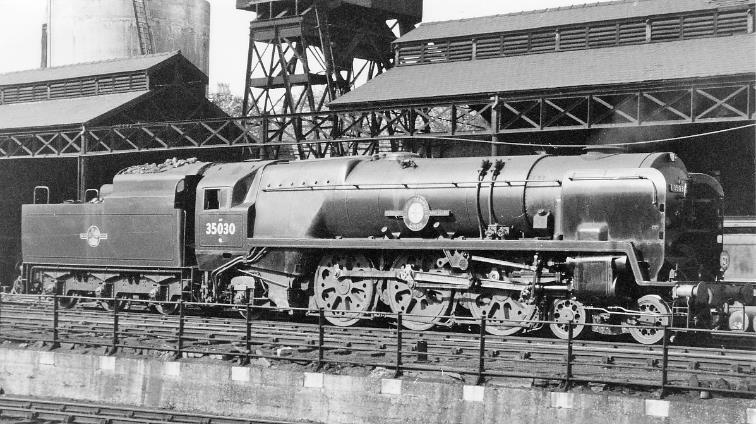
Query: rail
{"type": "Point", "coordinates": [666, 367]}
{"type": "Point", "coordinates": [41, 410]}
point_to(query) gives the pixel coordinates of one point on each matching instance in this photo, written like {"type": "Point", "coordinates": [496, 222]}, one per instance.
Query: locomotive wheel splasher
{"type": "Point", "coordinates": [426, 307]}
{"type": "Point", "coordinates": [344, 299]}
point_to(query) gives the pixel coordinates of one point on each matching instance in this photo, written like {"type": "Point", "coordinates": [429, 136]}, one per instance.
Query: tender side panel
{"type": "Point", "coordinates": [86, 234]}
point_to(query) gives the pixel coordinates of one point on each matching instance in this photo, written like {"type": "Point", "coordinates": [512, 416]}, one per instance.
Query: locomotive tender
{"type": "Point", "coordinates": [631, 239]}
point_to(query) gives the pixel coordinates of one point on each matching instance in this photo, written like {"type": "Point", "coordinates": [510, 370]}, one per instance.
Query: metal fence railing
{"type": "Point", "coordinates": [471, 351]}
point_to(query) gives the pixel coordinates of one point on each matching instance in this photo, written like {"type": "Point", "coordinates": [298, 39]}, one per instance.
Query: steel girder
{"type": "Point", "coordinates": [643, 107]}
{"type": "Point", "coordinates": [370, 131]}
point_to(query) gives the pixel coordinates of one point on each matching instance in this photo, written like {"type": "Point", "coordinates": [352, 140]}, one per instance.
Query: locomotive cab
{"type": "Point", "coordinates": [225, 210]}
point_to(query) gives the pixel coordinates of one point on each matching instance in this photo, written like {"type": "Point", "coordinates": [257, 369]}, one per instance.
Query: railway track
{"type": "Point", "coordinates": [30, 411]}
{"type": "Point", "coordinates": [724, 369]}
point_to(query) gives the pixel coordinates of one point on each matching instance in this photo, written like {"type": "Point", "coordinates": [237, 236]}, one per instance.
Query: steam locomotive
{"type": "Point", "coordinates": [604, 237]}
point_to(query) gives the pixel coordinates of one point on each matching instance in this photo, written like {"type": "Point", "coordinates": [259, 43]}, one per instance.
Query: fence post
{"type": "Point", "coordinates": [321, 336]}
{"type": "Point", "coordinates": [114, 347]}
{"type": "Point", "coordinates": [398, 367]}
{"type": "Point", "coordinates": [665, 360]}
{"type": "Point", "coordinates": [568, 377]}
{"type": "Point", "coordinates": [180, 347]}
{"type": "Point", "coordinates": [248, 333]}
{"type": "Point", "coordinates": [55, 338]}
{"type": "Point", "coordinates": [482, 352]}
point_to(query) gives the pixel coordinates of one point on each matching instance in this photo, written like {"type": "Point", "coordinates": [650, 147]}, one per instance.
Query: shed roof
{"type": "Point", "coordinates": [689, 59]}
{"type": "Point", "coordinates": [64, 112]}
{"type": "Point", "coordinates": [105, 67]}
{"type": "Point", "coordinates": [604, 11]}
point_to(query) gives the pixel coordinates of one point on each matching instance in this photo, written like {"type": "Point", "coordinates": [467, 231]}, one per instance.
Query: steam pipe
{"type": "Point", "coordinates": [484, 167]}
{"type": "Point", "coordinates": [497, 170]}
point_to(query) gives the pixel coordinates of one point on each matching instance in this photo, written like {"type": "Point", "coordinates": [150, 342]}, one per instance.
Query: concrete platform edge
{"type": "Point", "coordinates": [222, 388]}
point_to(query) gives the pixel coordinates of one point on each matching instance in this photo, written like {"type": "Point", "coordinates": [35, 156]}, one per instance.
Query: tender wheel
{"type": "Point", "coordinates": [344, 299]}
{"type": "Point", "coordinates": [105, 292]}
{"type": "Point", "coordinates": [166, 308]}
{"type": "Point", "coordinates": [655, 315]}
{"type": "Point", "coordinates": [109, 305]}
{"type": "Point", "coordinates": [500, 306]}
{"type": "Point", "coordinates": [253, 316]}
{"type": "Point", "coordinates": [68, 302]}
{"type": "Point", "coordinates": [425, 307]}
{"type": "Point", "coordinates": [564, 311]}
{"type": "Point", "coordinates": [159, 294]}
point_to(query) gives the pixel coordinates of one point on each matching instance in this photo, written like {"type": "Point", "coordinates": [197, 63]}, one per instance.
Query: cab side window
{"type": "Point", "coordinates": [212, 199]}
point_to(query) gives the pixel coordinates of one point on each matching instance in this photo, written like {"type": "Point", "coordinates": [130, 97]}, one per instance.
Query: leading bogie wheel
{"type": "Point", "coordinates": [424, 307]}
{"type": "Point", "coordinates": [344, 299]}
{"type": "Point", "coordinates": [649, 325]}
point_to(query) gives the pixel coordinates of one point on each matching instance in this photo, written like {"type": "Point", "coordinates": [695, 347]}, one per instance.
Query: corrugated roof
{"type": "Point", "coordinates": [612, 10]}
{"type": "Point", "coordinates": [78, 70]}
{"type": "Point", "coordinates": [62, 112]}
{"type": "Point", "coordinates": [698, 58]}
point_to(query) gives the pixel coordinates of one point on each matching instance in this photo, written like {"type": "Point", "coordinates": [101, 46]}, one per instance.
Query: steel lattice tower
{"type": "Point", "coordinates": [305, 53]}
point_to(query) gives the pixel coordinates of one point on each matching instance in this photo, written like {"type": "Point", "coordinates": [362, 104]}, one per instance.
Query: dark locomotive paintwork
{"type": "Point", "coordinates": [603, 228]}
{"type": "Point", "coordinates": [361, 212]}
{"type": "Point", "coordinates": [142, 218]}
{"type": "Point", "coordinates": [146, 238]}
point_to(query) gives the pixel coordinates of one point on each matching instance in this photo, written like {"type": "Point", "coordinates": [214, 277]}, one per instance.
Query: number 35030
{"type": "Point", "coordinates": [220, 228]}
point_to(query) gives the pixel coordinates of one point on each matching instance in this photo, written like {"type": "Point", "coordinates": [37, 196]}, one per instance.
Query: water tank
{"type": "Point", "coordinates": [92, 30]}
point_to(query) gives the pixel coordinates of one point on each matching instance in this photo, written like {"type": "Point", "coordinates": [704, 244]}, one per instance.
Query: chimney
{"type": "Point", "coordinates": [43, 62]}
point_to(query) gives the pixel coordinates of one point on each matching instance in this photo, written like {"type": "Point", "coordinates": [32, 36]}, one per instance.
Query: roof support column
{"type": "Point", "coordinates": [81, 167]}
{"type": "Point", "coordinates": [495, 121]}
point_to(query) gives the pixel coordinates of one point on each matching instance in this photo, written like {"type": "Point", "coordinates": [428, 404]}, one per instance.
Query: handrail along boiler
{"type": "Point", "coordinates": [603, 237]}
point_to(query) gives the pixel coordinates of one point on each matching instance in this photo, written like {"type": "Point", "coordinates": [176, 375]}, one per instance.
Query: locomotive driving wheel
{"type": "Point", "coordinates": [344, 299]}
{"type": "Point", "coordinates": [426, 307]}
{"type": "Point", "coordinates": [655, 314]}
{"type": "Point", "coordinates": [507, 315]}
{"type": "Point", "coordinates": [566, 311]}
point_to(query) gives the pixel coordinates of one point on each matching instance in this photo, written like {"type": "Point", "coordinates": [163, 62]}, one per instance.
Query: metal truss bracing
{"type": "Point", "coordinates": [324, 134]}
{"type": "Point", "coordinates": [659, 106]}
{"type": "Point", "coordinates": [302, 59]}
{"type": "Point", "coordinates": [361, 132]}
